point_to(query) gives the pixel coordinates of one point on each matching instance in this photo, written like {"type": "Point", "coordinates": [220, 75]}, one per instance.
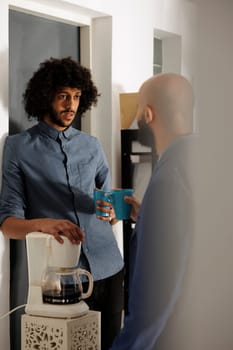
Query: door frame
{"type": "Point", "coordinates": [95, 33]}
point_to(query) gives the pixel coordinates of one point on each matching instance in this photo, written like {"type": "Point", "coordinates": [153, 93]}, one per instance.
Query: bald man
{"type": "Point", "coordinates": [160, 245]}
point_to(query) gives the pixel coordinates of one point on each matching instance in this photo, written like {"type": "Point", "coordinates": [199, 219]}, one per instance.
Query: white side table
{"type": "Point", "coordinates": [48, 333]}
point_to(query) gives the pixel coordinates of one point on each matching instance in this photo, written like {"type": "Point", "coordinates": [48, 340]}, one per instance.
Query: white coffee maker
{"type": "Point", "coordinates": [55, 288]}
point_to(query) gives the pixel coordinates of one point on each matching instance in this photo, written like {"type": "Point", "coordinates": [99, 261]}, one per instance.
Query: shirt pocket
{"type": "Point", "coordinates": [86, 177]}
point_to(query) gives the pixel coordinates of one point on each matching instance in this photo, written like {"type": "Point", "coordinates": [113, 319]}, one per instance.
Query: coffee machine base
{"type": "Point", "coordinates": [58, 311]}
{"type": "Point", "coordinates": [82, 332]}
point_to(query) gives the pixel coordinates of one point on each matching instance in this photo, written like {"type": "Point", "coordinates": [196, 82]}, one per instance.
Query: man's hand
{"type": "Point", "coordinates": [59, 228]}
{"type": "Point", "coordinates": [17, 228]}
{"type": "Point", "coordinates": [107, 208]}
{"type": "Point", "coordinates": [135, 203]}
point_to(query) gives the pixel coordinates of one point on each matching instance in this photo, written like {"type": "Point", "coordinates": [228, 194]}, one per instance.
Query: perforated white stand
{"type": "Point", "coordinates": [80, 333]}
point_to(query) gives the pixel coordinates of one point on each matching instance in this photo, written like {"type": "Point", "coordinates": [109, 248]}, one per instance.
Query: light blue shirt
{"type": "Point", "coordinates": [52, 174]}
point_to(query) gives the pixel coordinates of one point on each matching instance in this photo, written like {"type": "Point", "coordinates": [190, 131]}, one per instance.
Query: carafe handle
{"type": "Point", "coordinates": [90, 285]}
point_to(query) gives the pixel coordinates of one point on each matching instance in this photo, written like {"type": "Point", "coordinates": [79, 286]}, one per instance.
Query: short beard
{"type": "Point", "coordinates": [145, 134]}
{"type": "Point", "coordinates": [55, 119]}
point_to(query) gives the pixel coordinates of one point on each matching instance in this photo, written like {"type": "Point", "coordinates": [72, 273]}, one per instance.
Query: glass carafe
{"type": "Point", "coordinates": [64, 286]}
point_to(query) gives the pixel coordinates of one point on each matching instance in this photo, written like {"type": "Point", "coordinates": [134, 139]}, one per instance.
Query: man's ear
{"type": "Point", "coordinates": [149, 114]}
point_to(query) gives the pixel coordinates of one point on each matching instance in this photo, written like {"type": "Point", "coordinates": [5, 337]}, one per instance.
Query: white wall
{"type": "Point", "coordinates": [130, 62]}
{"type": "Point", "coordinates": [4, 245]}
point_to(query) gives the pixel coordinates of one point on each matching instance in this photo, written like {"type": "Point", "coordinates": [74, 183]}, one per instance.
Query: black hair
{"type": "Point", "coordinates": [52, 75]}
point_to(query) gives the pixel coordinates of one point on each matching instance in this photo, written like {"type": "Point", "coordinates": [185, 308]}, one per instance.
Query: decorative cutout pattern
{"type": "Point", "coordinates": [43, 333]}
{"type": "Point", "coordinates": [43, 337]}
{"type": "Point", "coordinates": [84, 337]}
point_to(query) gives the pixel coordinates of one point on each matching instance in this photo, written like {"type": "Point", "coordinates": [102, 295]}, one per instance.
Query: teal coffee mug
{"type": "Point", "coordinates": [116, 198]}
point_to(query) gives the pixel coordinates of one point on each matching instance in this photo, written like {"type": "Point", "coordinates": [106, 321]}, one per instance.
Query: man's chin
{"type": "Point", "coordinates": [65, 123]}
{"type": "Point", "coordinates": [68, 122]}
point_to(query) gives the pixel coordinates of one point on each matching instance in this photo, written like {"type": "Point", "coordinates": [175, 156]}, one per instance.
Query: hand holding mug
{"type": "Point", "coordinates": [111, 204]}
{"type": "Point", "coordinates": [135, 206]}
{"type": "Point", "coordinates": [104, 210]}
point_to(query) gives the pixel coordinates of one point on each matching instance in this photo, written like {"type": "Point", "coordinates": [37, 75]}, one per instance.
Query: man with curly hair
{"type": "Point", "coordinates": [49, 174]}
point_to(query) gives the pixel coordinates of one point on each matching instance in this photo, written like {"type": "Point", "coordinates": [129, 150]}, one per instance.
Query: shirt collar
{"type": "Point", "coordinates": [54, 133]}
{"type": "Point", "coordinates": [179, 143]}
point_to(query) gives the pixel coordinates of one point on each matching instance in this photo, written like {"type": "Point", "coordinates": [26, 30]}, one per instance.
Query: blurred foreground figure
{"type": "Point", "coordinates": [160, 245]}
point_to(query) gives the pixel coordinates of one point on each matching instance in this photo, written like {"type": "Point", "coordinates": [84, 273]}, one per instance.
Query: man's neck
{"type": "Point", "coordinates": [47, 120]}
{"type": "Point", "coordinates": [163, 142]}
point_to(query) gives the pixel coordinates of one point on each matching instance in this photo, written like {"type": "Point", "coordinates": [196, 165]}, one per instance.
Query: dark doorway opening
{"type": "Point", "coordinates": [32, 40]}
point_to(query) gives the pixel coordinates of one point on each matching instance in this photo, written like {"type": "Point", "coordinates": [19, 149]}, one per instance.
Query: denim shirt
{"type": "Point", "coordinates": [52, 174]}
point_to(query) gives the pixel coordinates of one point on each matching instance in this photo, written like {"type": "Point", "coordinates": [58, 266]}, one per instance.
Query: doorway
{"type": "Point", "coordinates": [32, 40]}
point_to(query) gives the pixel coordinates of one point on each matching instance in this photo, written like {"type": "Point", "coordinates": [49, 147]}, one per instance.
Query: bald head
{"type": "Point", "coordinates": [170, 96]}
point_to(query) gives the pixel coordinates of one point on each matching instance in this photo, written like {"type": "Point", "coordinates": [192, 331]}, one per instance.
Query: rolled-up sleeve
{"type": "Point", "coordinates": [12, 200]}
